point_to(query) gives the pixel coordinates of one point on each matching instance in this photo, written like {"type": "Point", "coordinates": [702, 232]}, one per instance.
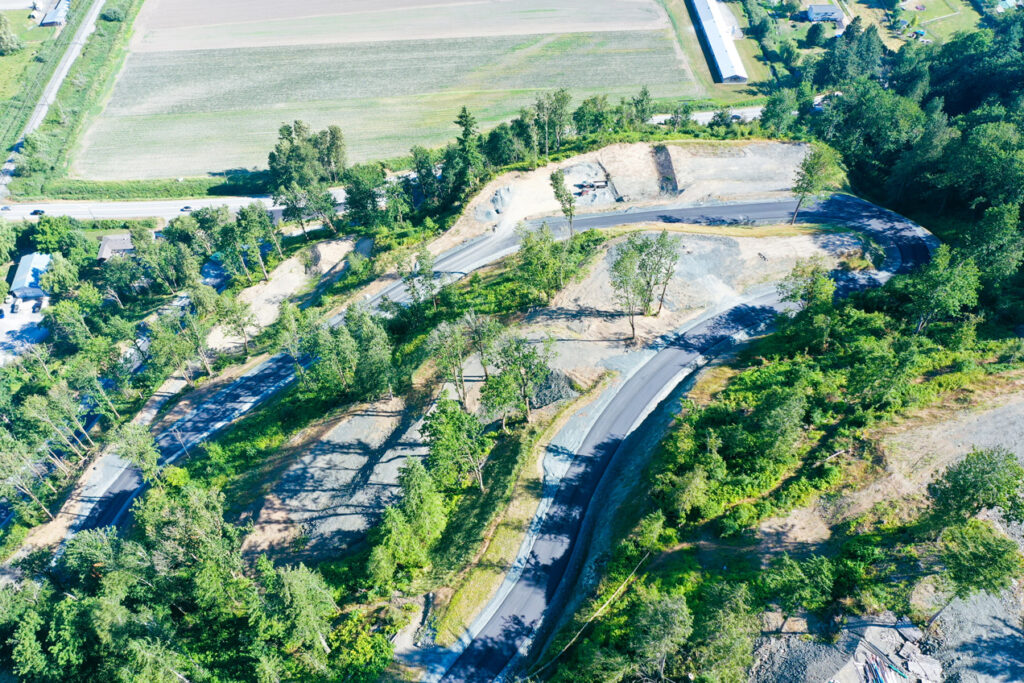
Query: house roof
{"type": "Point", "coordinates": [30, 268]}
{"type": "Point", "coordinates": [114, 244]}
{"type": "Point", "coordinates": [824, 11]}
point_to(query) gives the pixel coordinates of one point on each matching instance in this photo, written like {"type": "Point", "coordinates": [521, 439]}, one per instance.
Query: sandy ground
{"type": "Point", "coordinates": [286, 280]}
{"type": "Point", "coordinates": [712, 171]}
{"type": "Point", "coordinates": [732, 171]}
{"type": "Point", "coordinates": [713, 271]}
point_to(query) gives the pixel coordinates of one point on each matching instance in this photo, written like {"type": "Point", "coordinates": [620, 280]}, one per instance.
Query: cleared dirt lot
{"type": "Point", "coordinates": [206, 86]}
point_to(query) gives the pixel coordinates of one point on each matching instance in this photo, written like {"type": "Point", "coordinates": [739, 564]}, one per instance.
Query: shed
{"type": "Point", "coordinates": [58, 16]}
{"type": "Point", "coordinates": [719, 41]}
{"type": "Point", "coordinates": [113, 245]}
{"type": "Point", "coordinates": [26, 279]}
{"type": "Point", "coordinates": [825, 13]}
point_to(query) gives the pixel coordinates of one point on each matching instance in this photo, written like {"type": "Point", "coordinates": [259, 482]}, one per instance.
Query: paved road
{"type": "Point", "coordinates": [157, 208]}
{"type": "Point", "coordinates": [553, 563]}
{"type": "Point", "coordinates": [49, 94]}
{"type": "Point", "coordinates": [114, 484]}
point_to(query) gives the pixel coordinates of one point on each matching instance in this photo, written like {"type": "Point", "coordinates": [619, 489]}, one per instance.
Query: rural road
{"type": "Point", "coordinates": [157, 208]}
{"type": "Point", "coordinates": [87, 26]}
{"type": "Point", "coordinates": [552, 564]}
{"type": "Point", "coordinates": [108, 493]}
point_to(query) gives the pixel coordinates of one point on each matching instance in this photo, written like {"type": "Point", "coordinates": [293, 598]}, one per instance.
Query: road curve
{"type": "Point", "coordinates": [108, 494]}
{"type": "Point", "coordinates": [553, 562]}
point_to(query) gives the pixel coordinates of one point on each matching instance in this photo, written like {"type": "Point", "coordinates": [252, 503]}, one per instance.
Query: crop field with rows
{"type": "Point", "coordinates": [185, 107]}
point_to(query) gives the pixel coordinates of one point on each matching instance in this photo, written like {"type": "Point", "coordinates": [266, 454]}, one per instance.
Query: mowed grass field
{"type": "Point", "coordinates": [197, 97]}
{"type": "Point", "coordinates": [13, 66]}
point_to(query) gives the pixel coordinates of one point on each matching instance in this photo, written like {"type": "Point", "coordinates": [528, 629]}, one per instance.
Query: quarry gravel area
{"type": "Point", "coordinates": [703, 171]}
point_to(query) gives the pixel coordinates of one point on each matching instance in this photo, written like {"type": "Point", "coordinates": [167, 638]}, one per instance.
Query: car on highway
{"type": "Point", "coordinates": [36, 212]}
{"type": "Point", "coordinates": [186, 209]}
{"type": "Point", "coordinates": [5, 207]}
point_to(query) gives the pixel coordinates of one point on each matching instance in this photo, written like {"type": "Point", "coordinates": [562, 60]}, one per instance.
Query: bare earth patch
{"type": "Point", "coordinates": [286, 280]}
{"type": "Point", "coordinates": [732, 171]}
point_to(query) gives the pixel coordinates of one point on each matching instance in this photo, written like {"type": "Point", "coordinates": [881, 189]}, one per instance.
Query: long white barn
{"type": "Point", "coordinates": [719, 41]}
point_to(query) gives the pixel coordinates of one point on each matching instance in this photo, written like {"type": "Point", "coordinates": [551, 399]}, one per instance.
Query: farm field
{"type": "Point", "coordinates": [203, 90]}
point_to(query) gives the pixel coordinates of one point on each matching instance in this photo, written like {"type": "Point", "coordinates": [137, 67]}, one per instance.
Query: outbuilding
{"type": "Point", "coordinates": [26, 279]}
{"type": "Point", "coordinates": [58, 16]}
{"type": "Point", "coordinates": [719, 41]}
{"type": "Point", "coordinates": [825, 13]}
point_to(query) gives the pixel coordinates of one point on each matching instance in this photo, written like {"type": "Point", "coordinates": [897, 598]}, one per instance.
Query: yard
{"type": "Point", "coordinates": [206, 88]}
{"type": "Point", "coordinates": [18, 68]}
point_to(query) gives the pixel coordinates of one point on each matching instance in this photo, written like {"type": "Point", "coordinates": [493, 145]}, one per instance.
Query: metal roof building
{"type": "Point", "coordinates": [719, 42]}
{"type": "Point", "coordinates": [58, 16]}
{"type": "Point", "coordinates": [26, 279]}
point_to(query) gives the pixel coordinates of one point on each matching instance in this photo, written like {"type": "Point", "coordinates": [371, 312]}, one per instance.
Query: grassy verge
{"type": "Point", "coordinates": [505, 534]}
{"type": "Point", "coordinates": [55, 187]}
{"type": "Point", "coordinates": [34, 77]}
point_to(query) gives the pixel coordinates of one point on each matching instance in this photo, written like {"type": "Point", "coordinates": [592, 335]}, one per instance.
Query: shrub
{"type": "Point", "coordinates": [113, 14]}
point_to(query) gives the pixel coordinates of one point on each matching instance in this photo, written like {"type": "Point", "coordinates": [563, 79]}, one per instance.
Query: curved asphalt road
{"type": "Point", "coordinates": [108, 495]}
{"type": "Point", "coordinates": [554, 561]}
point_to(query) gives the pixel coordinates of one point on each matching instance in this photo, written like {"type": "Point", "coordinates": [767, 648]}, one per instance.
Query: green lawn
{"type": "Point", "coordinates": [942, 18]}
{"type": "Point", "coordinates": [13, 66]}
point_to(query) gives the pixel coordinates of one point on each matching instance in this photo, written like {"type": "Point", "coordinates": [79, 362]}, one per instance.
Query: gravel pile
{"type": "Point", "coordinates": [979, 640]}
{"type": "Point", "coordinates": [864, 645]}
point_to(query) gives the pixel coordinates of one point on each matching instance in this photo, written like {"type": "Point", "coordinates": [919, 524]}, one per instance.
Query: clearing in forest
{"type": "Point", "coordinates": [205, 87]}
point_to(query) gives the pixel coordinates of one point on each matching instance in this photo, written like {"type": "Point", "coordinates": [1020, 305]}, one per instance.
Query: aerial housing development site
{"type": "Point", "coordinates": [569, 341]}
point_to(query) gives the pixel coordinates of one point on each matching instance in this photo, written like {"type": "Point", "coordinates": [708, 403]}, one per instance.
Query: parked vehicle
{"type": "Point", "coordinates": [14, 307]}
{"type": "Point", "coordinates": [37, 306]}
